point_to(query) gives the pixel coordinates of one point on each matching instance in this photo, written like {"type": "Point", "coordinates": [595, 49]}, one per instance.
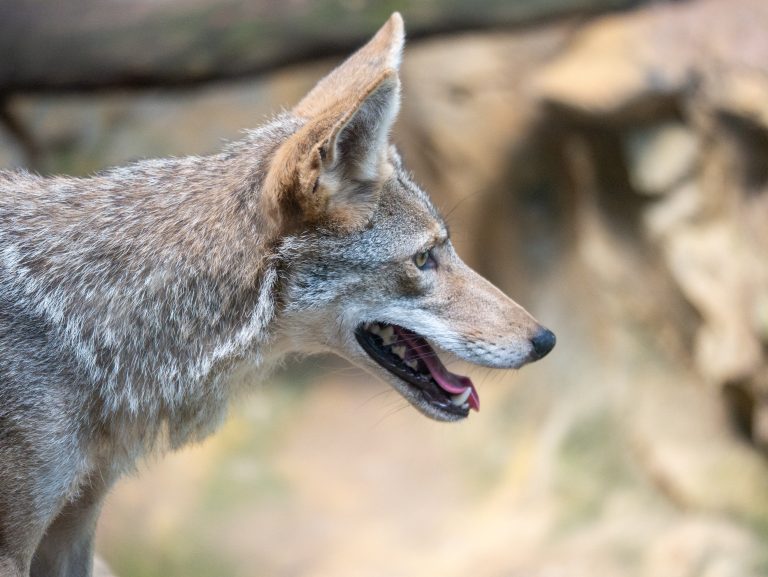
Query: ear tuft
{"type": "Point", "coordinates": [393, 38]}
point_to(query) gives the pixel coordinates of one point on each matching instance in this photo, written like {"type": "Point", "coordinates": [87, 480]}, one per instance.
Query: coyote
{"type": "Point", "coordinates": [134, 304]}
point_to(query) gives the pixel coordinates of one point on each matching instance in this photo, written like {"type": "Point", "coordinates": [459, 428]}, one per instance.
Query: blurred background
{"type": "Point", "coordinates": [604, 161]}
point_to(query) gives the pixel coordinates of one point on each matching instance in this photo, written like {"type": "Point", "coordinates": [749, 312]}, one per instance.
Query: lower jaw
{"type": "Point", "coordinates": [439, 414]}
{"type": "Point", "coordinates": [439, 411]}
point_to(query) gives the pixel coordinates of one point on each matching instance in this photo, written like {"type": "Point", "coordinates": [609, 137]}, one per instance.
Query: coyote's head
{"type": "Point", "coordinates": [369, 269]}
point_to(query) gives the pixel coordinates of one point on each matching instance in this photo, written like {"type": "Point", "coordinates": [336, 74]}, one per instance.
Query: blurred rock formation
{"type": "Point", "coordinates": [683, 91]}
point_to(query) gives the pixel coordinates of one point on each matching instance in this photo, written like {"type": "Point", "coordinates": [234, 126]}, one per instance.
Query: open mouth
{"type": "Point", "coordinates": [410, 357]}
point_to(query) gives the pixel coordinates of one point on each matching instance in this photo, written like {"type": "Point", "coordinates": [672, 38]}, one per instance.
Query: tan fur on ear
{"type": "Point", "coordinates": [299, 188]}
{"type": "Point", "coordinates": [382, 53]}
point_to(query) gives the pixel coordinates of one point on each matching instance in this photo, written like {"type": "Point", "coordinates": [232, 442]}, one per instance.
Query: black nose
{"type": "Point", "coordinates": [543, 342]}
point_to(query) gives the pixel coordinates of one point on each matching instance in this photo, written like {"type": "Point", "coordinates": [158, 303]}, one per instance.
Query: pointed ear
{"type": "Point", "coordinates": [381, 54]}
{"type": "Point", "coordinates": [332, 168]}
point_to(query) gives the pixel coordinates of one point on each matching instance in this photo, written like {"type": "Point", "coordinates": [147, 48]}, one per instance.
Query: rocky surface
{"type": "Point", "coordinates": [611, 175]}
{"type": "Point", "coordinates": [710, 168]}
{"type": "Point", "coordinates": [630, 65]}
{"type": "Point", "coordinates": [661, 157]}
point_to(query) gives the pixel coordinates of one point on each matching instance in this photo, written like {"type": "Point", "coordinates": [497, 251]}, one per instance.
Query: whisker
{"type": "Point", "coordinates": [463, 200]}
{"type": "Point", "coordinates": [389, 414]}
{"type": "Point", "coordinates": [378, 395]}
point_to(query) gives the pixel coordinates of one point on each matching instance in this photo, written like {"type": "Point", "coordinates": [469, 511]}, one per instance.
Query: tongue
{"type": "Point", "coordinates": [448, 381]}
{"type": "Point", "coordinates": [452, 383]}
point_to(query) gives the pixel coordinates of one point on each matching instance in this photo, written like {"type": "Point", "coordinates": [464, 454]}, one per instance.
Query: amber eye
{"type": "Point", "coordinates": [424, 260]}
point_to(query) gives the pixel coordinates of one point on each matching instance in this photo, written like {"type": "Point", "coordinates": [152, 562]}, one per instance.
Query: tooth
{"type": "Point", "coordinates": [414, 364]}
{"type": "Point", "coordinates": [399, 351]}
{"type": "Point", "coordinates": [375, 329]}
{"type": "Point", "coordinates": [461, 398]}
{"type": "Point", "coordinates": [465, 406]}
{"type": "Point", "coordinates": [387, 334]}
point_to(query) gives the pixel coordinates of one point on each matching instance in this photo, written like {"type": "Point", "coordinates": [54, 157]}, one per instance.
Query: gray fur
{"type": "Point", "coordinates": [123, 307]}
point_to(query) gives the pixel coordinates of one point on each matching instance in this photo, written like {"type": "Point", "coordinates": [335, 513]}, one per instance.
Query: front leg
{"type": "Point", "coordinates": [66, 550]}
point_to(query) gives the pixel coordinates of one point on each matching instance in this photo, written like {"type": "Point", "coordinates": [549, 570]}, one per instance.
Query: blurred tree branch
{"type": "Point", "coordinates": [87, 44]}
